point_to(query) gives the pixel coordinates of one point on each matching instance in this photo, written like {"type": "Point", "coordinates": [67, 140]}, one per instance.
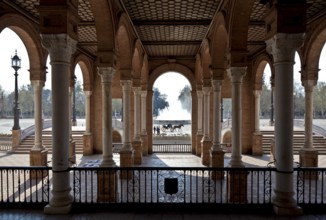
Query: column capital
{"type": "Point", "coordinates": [126, 84]}
{"type": "Point", "coordinates": [283, 46]}
{"type": "Point", "coordinates": [200, 93]}
{"type": "Point", "coordinates": [309, 73]}
{"type": "Point", "coordinates": [217, 85]}
{"type": "Point", "coordinates": [60, 46]}
{"type": "Point", "coordinates": [143, 93]}
{"type": "Point", "coordinates": [137, 90]}
{"type": "Point", "coordinates": [309, 84]}
{"type": "Point", "coordinates": [206, 90]}
{"type": "Point", "coordinates": [106, 73]}
{"type": "Point", "coordinates": [37, 83]}
{"type": "Point", "coordinates": [237, 73]}
{"type": "Point", "coordinates": [88, 93]}
{"type": "Point", "coordinates": [257, 93]}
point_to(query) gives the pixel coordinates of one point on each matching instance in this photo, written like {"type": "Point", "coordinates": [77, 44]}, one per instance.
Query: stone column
{"type": "Point", "coordinates": [206, 142]}
{"type": "Point", "coordinates": [200, 122]}
{"type": "Point", "coordinates": [106, 180]}
{"type": "Point", "coordinates": [126, 153]}
{"type": "Point", "coordinates": [217, 153]}
{"type": "Point", "coordinates": [144, 137]}
{"type": "Point", "coordinates": [308, 154]}
{"type": "Point", "coordinates": [38, 154]}
{"type": "Point", "coordinates": [282, 47]}
{"type": "Point", "coordinates": [107, 74]}
{"type": "Point", "coordinates": [88, 137]}
{"type": "Point", "coordinates": [72, 145]}
{"type": "Point", "coordinates": [136, 144]}
{"type": "Point", "coordinates": [236, 76]}
{"type": "Point", "coordinates": [257, 149]}
{"type": "Point", "coordinates": [60, 47]}
{"type": "Point", "coordinates": [237, 180]}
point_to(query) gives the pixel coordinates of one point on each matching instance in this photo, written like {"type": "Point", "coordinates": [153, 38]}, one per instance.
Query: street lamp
{"type": "Point", "coordinates": [16, 64]}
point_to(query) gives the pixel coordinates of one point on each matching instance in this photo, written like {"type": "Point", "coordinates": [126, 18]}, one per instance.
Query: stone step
{"type": "Point", "coordinates": [28, 143]}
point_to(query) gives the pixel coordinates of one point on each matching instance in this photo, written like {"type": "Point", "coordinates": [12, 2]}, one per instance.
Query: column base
{"type": "Point", "coordinates": [217, 160]}
{"type": "Point", "coordinates": [107, 186]}
{"type": "Point", "coordinates": [284, 204]}
{"type": "Point", "coordinates": [144, 144]}
{"type": "Point", "coordinates": [237, 186]}
{"type": "Point", "coordinates": [88, 144]}
{"type": "Point", "coordinates": [199, 138]}
{"type": "Point", "coordinates": [72, 153]}
{"type": "Point", "coordinates": [138, 154]}
{"type": "Point", "coordinates": [126, 160]}
{"type": "Point", "coordinates": [257, 149]}
{"type": "Point", "coordinates": [16, 137]}
{"type": "Point", "coordinates": [60, 202]}
{"type": "Point", "coordinates": [38, 158]}
{"type": "Point", "coordinates": [309, 158]}
{"type": "Point", "coordinates": [206, 145]}
{"type": "Point", "coordinates": [50, 210]}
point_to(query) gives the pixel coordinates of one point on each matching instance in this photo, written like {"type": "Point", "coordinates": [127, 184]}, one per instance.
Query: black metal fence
{"type": "Point", "coordinates": [179, 185]}
{"type": "Point", "coordinates": [172, 185]}
{"type": "Point", "coordinates": [24, 184]}
{"type": "Point", "coordinates": [172, 148]}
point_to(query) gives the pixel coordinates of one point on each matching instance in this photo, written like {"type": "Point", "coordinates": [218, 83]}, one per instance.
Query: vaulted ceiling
{"type": "Point", "coordinates": [167, 28]}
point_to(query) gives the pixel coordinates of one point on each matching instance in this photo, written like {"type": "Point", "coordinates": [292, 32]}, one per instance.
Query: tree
{"type": "Point", "coordinates": [80, 100]}
{"type": "Point", "coordinates": [26, 101]}
{"type": "Point", "coordinates": [185, 98]}
{"type": "Point", "coordinates": [159, 102]}
{"type": "Point", "coordinates": [47, 102]}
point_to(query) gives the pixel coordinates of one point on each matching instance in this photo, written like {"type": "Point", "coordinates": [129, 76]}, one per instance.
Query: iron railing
{"type": "Point", "coordinates": [157, 185]}
{"type": "Point", "coordinates": [24, 184]}
{"type": "Point", "coordinates": [172, 185]}
{"type": "Point", "coordinates": [310, 185]}
{"type": "Point", "coordinates": [172, 148]}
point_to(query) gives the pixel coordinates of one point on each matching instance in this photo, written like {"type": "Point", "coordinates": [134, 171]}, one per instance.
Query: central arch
{"type": "Point", "coordinates": [190, 76]}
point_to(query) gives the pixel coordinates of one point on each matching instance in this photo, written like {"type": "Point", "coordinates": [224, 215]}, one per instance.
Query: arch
{"type": "Point", "coordinates": [198, 72]}
{"type": "Point", "coordinates": [238, 31]}
{"type": "Point", "coordinates": [183, 70]}
{"type": "Point", "coordinates": [219, 43]}
{"type": "Point", "coordinates": [314, 46]}
{"type": "Point", "coordinates": [124, 48]}
{"type": "Point", "coordinates": [86, 67]}
{"type": "Point", "coordinates": [137, 62]}
{"type": "Point", "coordinates": [206, 62]}
{"type": "Point", "coordinates": [258, 70]}
{"type": "Point", "coordinates": [105, 26]}
{"type": "Point", "coordinates": [144, 72]}
{"type": "Point", "coordinates": [29, 35]}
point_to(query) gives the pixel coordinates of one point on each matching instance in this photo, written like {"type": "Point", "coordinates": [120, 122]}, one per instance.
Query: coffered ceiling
{"type": "Point", "coordinates": [167, 28]}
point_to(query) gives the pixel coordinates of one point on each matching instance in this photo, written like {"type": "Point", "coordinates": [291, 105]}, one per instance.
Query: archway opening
{"type": "Point", "coordinates": [7, 82]}
{"type": "Point", "coordinates": [172, 106]}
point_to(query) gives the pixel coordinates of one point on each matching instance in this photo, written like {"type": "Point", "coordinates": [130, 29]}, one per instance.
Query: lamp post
{"type": "Point", "coordinates": [16, 64]}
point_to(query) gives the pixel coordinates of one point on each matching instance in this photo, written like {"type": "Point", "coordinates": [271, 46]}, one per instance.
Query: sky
{"type": "Point", "coordinates": [170, 83]}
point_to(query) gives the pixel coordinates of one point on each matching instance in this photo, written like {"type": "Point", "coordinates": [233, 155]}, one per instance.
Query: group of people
{"type": "Point", "coordinates": [157, 130]}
